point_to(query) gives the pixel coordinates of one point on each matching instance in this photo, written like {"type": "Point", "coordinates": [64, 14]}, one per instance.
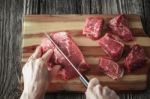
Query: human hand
{"type": "Point", "coordinates": [96, 91]}
{"type": "Point", "coordinates": [36, 75]}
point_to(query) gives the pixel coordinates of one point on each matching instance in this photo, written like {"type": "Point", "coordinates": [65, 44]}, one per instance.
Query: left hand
{"type": "Point", "coordinates": [36, 75]}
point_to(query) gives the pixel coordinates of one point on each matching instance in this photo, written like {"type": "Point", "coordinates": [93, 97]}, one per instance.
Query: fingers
{"type": "Point", "coordinates": [36, 54]}
{"type": "Point", "coordinates": [93, 83]}
{"type": "Point", "coordinates": [46, 57]}
{"type": "Point", "coordinates": [36, 57]}
{"type": "Point", "coordinates": [98, 90]}
{"type": "Point", "coordinates": [54, 70]}
{"type": "Point", "coordinates": [94, 89]}
{"type": "Point", "coordinates": [109, 92]}
{"type": "Point", "coordinates": [106, 90]}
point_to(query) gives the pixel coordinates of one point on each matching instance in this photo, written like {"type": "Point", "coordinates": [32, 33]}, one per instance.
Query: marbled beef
{"type": "Point", "coordinates": [71, 50]}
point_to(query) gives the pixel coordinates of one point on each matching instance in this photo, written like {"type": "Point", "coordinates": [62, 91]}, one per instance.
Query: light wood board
{"type": "Point", "coordinates": [35, 25]}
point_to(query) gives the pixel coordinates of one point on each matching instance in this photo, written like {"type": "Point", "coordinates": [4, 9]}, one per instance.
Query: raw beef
{"type": "Point", "coordinates": [135, 58]}
{"type": "Point", "coordinates": [112, 46]}
{"type": "Point", "coordinates": [71, 50]}
{"type": "Point", "coordinates": [111, 68]}
{"type": "Point", "coordinates": [93, 27]}
{"type": "Point", "coordinates": [119, 26]}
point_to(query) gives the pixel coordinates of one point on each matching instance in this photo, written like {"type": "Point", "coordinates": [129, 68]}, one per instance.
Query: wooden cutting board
{"type": "Point", "coordinates": [35, 25]}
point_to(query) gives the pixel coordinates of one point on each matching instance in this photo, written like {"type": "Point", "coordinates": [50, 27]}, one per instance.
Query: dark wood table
{"type": "Point", "coordinates": [11, 18]}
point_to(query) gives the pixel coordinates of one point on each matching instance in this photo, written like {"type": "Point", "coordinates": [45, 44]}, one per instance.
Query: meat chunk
{"type": "Point", "coordinates": [112, 46]}
{"type": "Point", "coordinates": [93, 27]}
{"type": "Point", "coordinates": [135, 58]}
{"type": "Point", "coordinates": [119, 26]}
{"type": "Point", "coordinates": [111, 68]}
{"type": "Point", "coordinates": [70, 49]}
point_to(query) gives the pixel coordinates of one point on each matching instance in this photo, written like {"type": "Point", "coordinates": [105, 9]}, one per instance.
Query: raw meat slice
{"type": "Point", "coordinates": [71, 50]}
{"type": "Point", "coordinates": [135, 58]}
{"type": "Point", "coordinates": [93, 27]}
{"type": "Point", "coordinates": [111, 68]}
{"type": "Point", "coordinates": [119, 26]}
{"type": "Point", "coordinates": [112, 46]}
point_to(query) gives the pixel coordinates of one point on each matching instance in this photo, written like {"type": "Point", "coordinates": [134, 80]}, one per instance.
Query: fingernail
{"type": "Point", "coordinates": [58, 66]}
{"type": "Point", "coordinates": [50, 51]}
{"type": "Point", "coordinates": [38, 48]}
{"type": "Point", "coordinates": [95, 80]}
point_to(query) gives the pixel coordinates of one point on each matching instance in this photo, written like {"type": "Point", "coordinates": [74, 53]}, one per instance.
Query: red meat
{"type": "Point", "coordinates": [135, 58]}
{"type": "Point", "coordinates": [111, 68]}
{"type": "Point", "coordinates": [71, 50]}
{"type": "Point", "coordinates": [93, 27]}
{"type": "Point", "coordinates": [119, 26]}
{"type": "Point", "coordinates": [112, 46]}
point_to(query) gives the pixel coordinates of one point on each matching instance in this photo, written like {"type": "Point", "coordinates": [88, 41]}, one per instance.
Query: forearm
{"type": "Point", "coordinates": [27, 95]}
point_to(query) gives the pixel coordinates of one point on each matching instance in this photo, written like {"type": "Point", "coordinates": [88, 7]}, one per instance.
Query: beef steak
{"type": "Point", "coordinates": [135, 58]}
{"type": "Point", "coordinates": [71, 50]}
{"type": "Point", "coordinates": [110, 68]}
{"type": "Point", "coordinates": [119, 26]}
{"type": "Point", "coordinates": [112, 46]}
{"type": "Point", "coordinates": [93, 27]}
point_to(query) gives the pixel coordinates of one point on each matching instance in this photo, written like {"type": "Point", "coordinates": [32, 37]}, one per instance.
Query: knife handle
{"type": "Point", "coordinates": [84, 80]}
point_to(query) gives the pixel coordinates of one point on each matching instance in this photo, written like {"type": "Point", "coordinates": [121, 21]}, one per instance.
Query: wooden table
{"type": "Point", "coordinates": [11, 19]}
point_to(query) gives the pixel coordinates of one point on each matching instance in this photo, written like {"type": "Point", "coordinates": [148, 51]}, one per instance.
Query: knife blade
{"type": "Point", "coordinates": [82, 77]}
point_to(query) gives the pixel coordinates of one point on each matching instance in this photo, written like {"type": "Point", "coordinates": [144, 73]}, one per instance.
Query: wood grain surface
{"type": "Point", "coordinates": [11, 15]}
{"type": "Point", "coordinates": [10, 48]}
{"type": "Point", "coordinates": [34, 26]}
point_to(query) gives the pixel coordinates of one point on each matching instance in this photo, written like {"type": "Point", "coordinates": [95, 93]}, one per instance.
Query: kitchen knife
{"type": "Point", "coordinates": [82, 77]}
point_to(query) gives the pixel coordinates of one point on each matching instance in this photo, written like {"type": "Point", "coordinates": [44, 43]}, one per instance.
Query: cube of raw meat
{"type": "Point", "coordinates": [111, 68]}
{"type": "Point", "coordinates": [70, 49]}
{"type": "Point", "coordinates": [112, 46]}
{"type": "Point", "coordinates": [135, 58]}
{"type": "Point", "coordinates": [93, 27]}
{"type": "Point", "coordinates": [119, 26]}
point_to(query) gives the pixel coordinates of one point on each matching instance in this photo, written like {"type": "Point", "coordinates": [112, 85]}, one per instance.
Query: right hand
{"type": "Point", "coordinates": [96, 91]}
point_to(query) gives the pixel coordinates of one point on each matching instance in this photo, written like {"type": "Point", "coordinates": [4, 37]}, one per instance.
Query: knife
{"type": "Point", "coordinates": [82, 77]}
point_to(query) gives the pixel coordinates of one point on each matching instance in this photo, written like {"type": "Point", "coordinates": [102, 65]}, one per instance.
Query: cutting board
{"type": "Point", "coordinates": [35, 25]}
